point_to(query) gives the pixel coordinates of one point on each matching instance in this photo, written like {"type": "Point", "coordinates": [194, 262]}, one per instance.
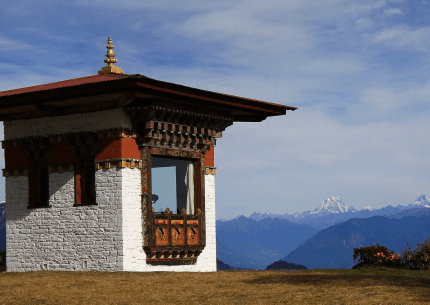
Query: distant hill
{"type": "Point", "coordinates": [333, 246]}
{"type": "Point", "coordinates": [246, 243]}
{"type": "Point", "coordinates": [234, 258]}
{"type": "Point", "coordinates": [222, 266]}
{"type": "Point", "coordinates": [285, 265]}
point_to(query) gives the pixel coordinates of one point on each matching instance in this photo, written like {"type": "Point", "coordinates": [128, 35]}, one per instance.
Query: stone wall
{"type": "Point", "coordinates": [2, 225]}
{"type": "Point", "coordinates": [62, 237]}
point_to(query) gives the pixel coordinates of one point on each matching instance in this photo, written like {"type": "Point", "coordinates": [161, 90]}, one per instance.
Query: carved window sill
{"type": "Point", "coordinates": [177, 239]}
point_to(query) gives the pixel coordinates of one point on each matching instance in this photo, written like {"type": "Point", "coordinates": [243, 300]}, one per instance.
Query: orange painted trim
{"type": "Point", "coordinates": [78, 176]}
{"type": "Point", "coordinates": [119, 148]}
{"type": "Point", "coordinates": [210, 157]}
{"type": "Point", "coordinates": [198, 181]}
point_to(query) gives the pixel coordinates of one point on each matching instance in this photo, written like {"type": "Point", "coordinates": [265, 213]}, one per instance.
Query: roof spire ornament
{"type": "Point", "coordinates": [110, 60]}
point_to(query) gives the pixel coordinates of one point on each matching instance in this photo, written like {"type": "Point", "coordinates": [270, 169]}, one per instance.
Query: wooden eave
{"type": "Point", "coordinates": [133, 90]}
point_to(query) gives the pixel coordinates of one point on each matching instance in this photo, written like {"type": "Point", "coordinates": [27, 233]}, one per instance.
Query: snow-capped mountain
{"type": "Point", "coordinates": [258, 216]}
{"type": "Point", "coordinates": [420, 202]}
{"type": "Point", "coordinates": [333, 210]}
{"type": "Point", "coordinates": [332, 205]}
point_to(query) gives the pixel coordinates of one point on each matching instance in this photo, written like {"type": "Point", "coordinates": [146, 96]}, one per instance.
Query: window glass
{"type": "Point", "coordinates": [173, 185]}
{"type": "Point", "coordinates": [164, 188]}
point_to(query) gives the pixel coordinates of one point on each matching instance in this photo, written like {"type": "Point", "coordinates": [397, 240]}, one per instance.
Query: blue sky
{"type": "Point", "coordinates": [359, 72]}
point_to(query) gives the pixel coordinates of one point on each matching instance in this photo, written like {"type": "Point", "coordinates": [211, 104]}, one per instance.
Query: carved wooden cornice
{"type": "Point", "coordinates": [210, 170]}
{"type": "Point", "coordinates": [178, 116]}
{"type": "Point", "coordinates": [119, 163]}
{"type": "Point", "coordinates": [65, 137]}
{"type": "Point", "coordinates": [84, 143]}
{"type": "Point", "coordinates": [16, 172]}
{"type": "Point", "coordinates": [37, 148]}
{"type": "Point", "coordinates": [160, 126]}
{"type": "Point", "coordinates": [117, 133]}
{"type": "Point", "coordinates": [175, 153]}
{"type": "Point", "coordinates": [178, 136]}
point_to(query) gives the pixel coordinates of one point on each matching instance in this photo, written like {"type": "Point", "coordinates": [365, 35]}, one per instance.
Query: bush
{"type": "Point", "coordinates": [380, 256]}
{"type": "Point", "coordinates": [418, 259]}
{"type": "Point", "coordinates": [376, 256]}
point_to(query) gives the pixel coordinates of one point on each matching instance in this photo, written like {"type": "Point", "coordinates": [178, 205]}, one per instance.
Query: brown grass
{"type": "Point", "coordinates": [222, 287]}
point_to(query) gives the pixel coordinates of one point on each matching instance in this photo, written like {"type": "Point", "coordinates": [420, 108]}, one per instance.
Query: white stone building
{"type": "Point", "coordinates": [115, 172]}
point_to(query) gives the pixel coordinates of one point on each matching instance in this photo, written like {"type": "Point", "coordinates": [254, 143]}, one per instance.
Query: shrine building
{"type": "Point", "coordinates": [115, 172]}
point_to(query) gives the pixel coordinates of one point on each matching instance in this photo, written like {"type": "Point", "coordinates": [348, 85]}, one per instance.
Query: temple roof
{"type": "Point", "coordinates": [62, 84]}
{"type": "Point", "coordinates": [125, 90]}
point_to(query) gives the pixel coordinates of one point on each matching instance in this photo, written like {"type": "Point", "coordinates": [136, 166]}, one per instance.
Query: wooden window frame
{"type": "Point", "coordinates": [85, 181]}
{"type": "Point", "coordinates": [38, 184]}
{"type": "Point", "coordinates": [170, 251]}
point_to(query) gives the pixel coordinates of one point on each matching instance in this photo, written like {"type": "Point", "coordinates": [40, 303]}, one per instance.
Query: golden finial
{"type": "Point", "coordinates": [110, 60]}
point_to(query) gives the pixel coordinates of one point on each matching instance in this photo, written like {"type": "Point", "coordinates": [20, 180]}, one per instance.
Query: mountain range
{"type": "Point", "coordinates": [333, 210]}
{"type": "Point", "coordinates": [246, 243]}
{"type": "Point", "coordinates": [331, 231]}
{"type": "Point", "coordinates": [333, 247]}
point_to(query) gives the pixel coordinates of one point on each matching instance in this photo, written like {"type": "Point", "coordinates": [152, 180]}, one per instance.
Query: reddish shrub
{"type": "Point", "coordinates": [418, 259]}
{"type": "Point", "coordinates": [376, 256]}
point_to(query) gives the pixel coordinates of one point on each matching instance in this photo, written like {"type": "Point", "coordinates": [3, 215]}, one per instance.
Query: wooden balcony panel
{"type": "Point", "coordinates": [193, 236]}
{"type": "Point", "coordinates": [178, 236]}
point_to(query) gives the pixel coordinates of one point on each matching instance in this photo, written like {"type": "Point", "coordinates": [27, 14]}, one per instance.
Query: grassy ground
{"type": "Point", "coordinates": [330, 286]}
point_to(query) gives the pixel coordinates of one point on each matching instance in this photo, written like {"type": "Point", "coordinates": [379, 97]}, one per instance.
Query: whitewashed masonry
{"type": "Point", "coordinates": [106, 236]}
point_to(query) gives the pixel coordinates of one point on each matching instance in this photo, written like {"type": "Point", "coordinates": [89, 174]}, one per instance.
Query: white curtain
{"type": "Point", "coordinates": [189, 181]}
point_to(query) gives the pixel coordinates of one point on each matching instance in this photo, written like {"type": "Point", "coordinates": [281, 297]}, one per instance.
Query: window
{"type": "Point", "coordinates": [85, 176]}
{"type": "Point", "coordinates": [174, 180]}
{"type": "Point", "coordinates": [88, 182]}
{"type": "Point", "coordinates": [38, 179]}
{"type": "Point", "coordinates": [173, 185]}
{"type": "Point", "coordinates": [42, 185]}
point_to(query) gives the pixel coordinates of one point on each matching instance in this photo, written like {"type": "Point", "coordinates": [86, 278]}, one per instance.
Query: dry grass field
{"type": "Point", "coordinates": [340, 286]}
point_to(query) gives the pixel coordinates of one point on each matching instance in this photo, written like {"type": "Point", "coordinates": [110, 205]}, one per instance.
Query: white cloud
{"type": "Point", "coordinates": [380, 100]}
{"type": "Point", "coordinates": [402, 36]}
{"type": "Point", "coordinates": [392, 11]}
{"type": "Point", "coordinates": [363, 23]}
{"type": "Point", "coordinates": [137, 26]}
{"type": "Point", "coordinates": [182, 6]}
{"type": "Point", "coordinates": [8, 44]}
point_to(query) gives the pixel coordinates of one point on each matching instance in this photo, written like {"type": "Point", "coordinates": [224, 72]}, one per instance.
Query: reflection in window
{"type": "Point", "coordinates": [172, 185]}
